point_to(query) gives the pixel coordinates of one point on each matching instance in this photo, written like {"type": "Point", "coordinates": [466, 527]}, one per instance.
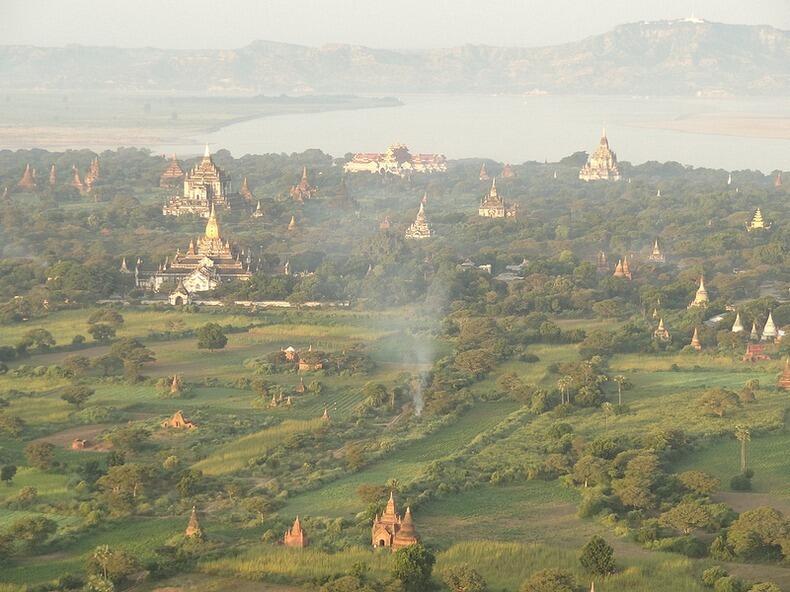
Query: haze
{"type": "Point", "coordinates": [412, 23]}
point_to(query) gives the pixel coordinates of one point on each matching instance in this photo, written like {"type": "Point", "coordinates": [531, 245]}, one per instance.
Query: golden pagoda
{"type": "Point", "coordinates": [701, 297]}
{"type": "Point", "coordinates": [656, 255]}
{"type": "Point", "coordinates": [493, 205]}
{"type": "Point", "coordinates": [601, 164]}
{"type": "Point", "coordinates": [303, 191]}
{"type": "Point", "coordinates": [757, 222]}
{"type": "Point", "coordinates": [28, 180]}
{"type": "Point", "coordinates": [695, 342]}
{"type": "Point", "coordinates": [662, 333]}
{"type": "Point", "coordinates": [622, 269]}
{"type": "Point", "coordinates": [194, 530]}
{"type": "Point", "coordinates": [784, 379]}
{"type": "Point", "coordinates": [208, 262]}
{"type": "Point", "coordinates": [420, 228]}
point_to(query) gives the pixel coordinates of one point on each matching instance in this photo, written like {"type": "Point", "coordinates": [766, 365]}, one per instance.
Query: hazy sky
{"type": "Point", "coordinates": [376, 23]}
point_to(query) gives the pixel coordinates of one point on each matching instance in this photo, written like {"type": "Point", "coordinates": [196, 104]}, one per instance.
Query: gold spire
{"type": "Point", "coordinates": [212, 226]}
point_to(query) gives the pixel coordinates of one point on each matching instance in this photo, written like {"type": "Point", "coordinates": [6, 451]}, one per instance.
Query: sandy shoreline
{"type": "Point", "coordinates": [731, 124]}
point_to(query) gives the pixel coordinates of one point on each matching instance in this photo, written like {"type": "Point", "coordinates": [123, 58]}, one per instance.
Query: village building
{"type": "Point", "coordinates": [695, 342]}
{"type": "Point", "coordinates": [758, 222]}
{"type": "Point", "coordinates": [657, 255]}
{"type": "Point", "coordinates": [397, 160]}
{"type": "Point", "coordinates": [179, 422]}
{"type": "Point", "coordinates": [601, 164]}
{"type": "Point", "coordinates": [180, 296]}
{"type": "Point", "coordinates": [737, 326]}
{"type": "Point", "coordinates": [208, 262]}
{"type": "Point", "coordinates": [193, 530]}
{"type": "Point", "coordinates": [173, 175]}
{"type": "Point", "coordinates": [28, 180]}
{"type": "Point", "coordinates": [295, 536]}
{"type": "Point", "coordinates": [290, 353]}
{"type": "Point", "coordinates": [662, 333]}
{"type": "Point", "coordinates": [701, 296]}
{"type": "Point", "coordinates": [391, 531]}
{"type": "Point", "coordinates": [493, 205]}
{"type": "Point", "coordinates": [303, 191]}
{"type": "Point", "coordinates": [206, 186]}
{"type": "Point", "coordinates": [420, 228]}
{"type": "Point", "coordinates": [784, 379]}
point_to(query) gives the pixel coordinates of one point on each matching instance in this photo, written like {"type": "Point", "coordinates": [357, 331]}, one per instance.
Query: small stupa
{"type": "Point", "coordinates": [701, 296]}
{"type": "Point", "coordinates": [292, 223]}
{"type": "Point", "coordinates": [484, 173]}
{"type": "Point", "coordinates": [657, 255]}
{"type": "Point", "coordinates": [695, 342]}
{"type": "Point", "coordinates": [194, 530]}
{"type": "Point", "coordinates": [769, 329]}
{"type": "Point", "coordinates": [662, 333]}
{"type": "Point", "coordinates": [737, 326]}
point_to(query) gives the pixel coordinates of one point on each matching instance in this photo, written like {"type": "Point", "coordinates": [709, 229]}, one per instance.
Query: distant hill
{"type": "Point", "coordinates": [657, 58]}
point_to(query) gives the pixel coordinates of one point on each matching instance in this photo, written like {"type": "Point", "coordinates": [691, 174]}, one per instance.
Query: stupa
{"type": "Point", "coordinates": [701, 296]}
{"type": "Point", "coordinates": [303, 191]}
{"type": "Point", "coordinates": [420, 228]}
{"type": "Point", "coordinates": [758, 222]}
{"type": "Point", "coordinates": [737, 326]}
{"type": "Point", "coordinates": [602, 163]}
{"type": "Point", "coordinates": [657, 255]}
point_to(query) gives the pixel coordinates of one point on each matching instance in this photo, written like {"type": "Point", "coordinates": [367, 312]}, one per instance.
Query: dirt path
{"type": "Point", "coordinates": [84, 432]}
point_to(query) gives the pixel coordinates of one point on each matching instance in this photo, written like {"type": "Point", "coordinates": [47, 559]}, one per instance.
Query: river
{"type": "Point", "coordinates": [718, 133]}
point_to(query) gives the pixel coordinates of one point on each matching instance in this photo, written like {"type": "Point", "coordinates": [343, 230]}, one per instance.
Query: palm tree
{"type": "Point", "coordinates": [564, 384]}
{"type": "Point", "coordinates": [608, 410]}
{"type": "Point", "coordinates": [743, 436]}
{"type": "Point", "coordinates": [620, 380]}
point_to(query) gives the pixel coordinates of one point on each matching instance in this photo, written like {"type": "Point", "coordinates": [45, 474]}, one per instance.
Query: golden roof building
{"type": "Point", "coordinates": [757, 222]}
{"type": "Point", "coordinates": [601, 164]}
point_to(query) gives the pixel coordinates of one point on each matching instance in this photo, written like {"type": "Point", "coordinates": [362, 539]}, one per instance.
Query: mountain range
{"type": "Point", "coordinates": [681, 57]}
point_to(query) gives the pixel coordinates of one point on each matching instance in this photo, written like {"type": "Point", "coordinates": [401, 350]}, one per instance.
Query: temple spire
{"type": "Point", "coordinates": [212, 226]}
{"type": "Point", "coordinates": [207, 152]}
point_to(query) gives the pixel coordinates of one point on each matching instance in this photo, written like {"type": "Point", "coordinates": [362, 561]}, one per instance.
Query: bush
{"type": "Point", "coordinates": [711, 575]}
{"type": "Point", "coordinates": [728, 584]}
{"type": "Point", "coordinates": [742, 482]}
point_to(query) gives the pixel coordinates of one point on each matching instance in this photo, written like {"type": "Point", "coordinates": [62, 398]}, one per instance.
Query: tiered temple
{"type": "Point", "coordinates": [295, 536]}
{"type": "Point", "coordinates": [208, 262]}
{"type": "Point", "coordinates": [657, 255]}
{"type": "Point", "coordinates": [758, 222]}
{"type": "Point", "coordinates": [622, 269]}
{"type": "Point", "coordinates": [245, 192]}
{"type": "Point", "coordinates": [662, 333]}
{"type": "Point", "coordinates": [303, 191]}
{"type": "Point", "coordinates": [493, 205]}
{"type": "Point", "coordinates": [391, 531]}
{"type": "Point", "coordinates": [173, 175]}
{"type": "Point", "coordinates": [397, 160]}
{"type": "Point", "coordinates": [205, 186]}
{"type": "Point", "coordinates": [701, 296]}
{"type": "Point", "coordinates": [602, 164]}
{"type": "Point", "coordinates": [420, 228]}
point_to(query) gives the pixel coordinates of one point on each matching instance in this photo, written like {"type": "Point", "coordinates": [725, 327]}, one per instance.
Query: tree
{"type": "Point", "coordinates": [476, 361]}
{"type": "Point", "coordinates": [686, 516]}
{"type": "Point", "coordinates": [133, 354]}
{"type": "Point", "coordinates": [7, 473]}
{"type": "Point", "coordinates": [11, 425]}
{"type": "Point", "coordinates": [550, 580]}
{"type": "Point", "coordinates": [211, 336]}
{"type": "Point", "coordinates": [564, 384]}
{"type": "Point", "coordinates": [762, 533]}
{"type": "Point", "coordinates": [765, 587]}
{"type": "Point", "coordinates": [41, 339]}
{"type": "Point", "coordinates": [597, 557]}
{"type": "Point", "coordinates": [699, 482]}
{"type": "Point", "coordinates": [622, 385]}
{"type": "Point", "coordinates": [413, 566]}
{"type": "Point", "coordinates": [108, 364]}
{"type": "Point", "coordinates": [33, 531]}
{"type": "Point", "coordinates": [743, 436]}
{"type": "Point", "coordinates": [718, 400]}
{"type": "Point", "coordinates": [101, 332]}
{"type": "Point", "coordinates": [40, 455]}
{"type": "Point", "coordinates": [113, 565]}
{"type": "Point", "coordinates": [108, 316]}
{"type": "Point", "coordinates": [463, 578]}
{"type": "Point", "coordinates": [77, 395]}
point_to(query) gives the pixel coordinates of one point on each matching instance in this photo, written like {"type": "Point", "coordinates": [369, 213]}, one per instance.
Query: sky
{"type": "Point", "coordinates": [401, 24]}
